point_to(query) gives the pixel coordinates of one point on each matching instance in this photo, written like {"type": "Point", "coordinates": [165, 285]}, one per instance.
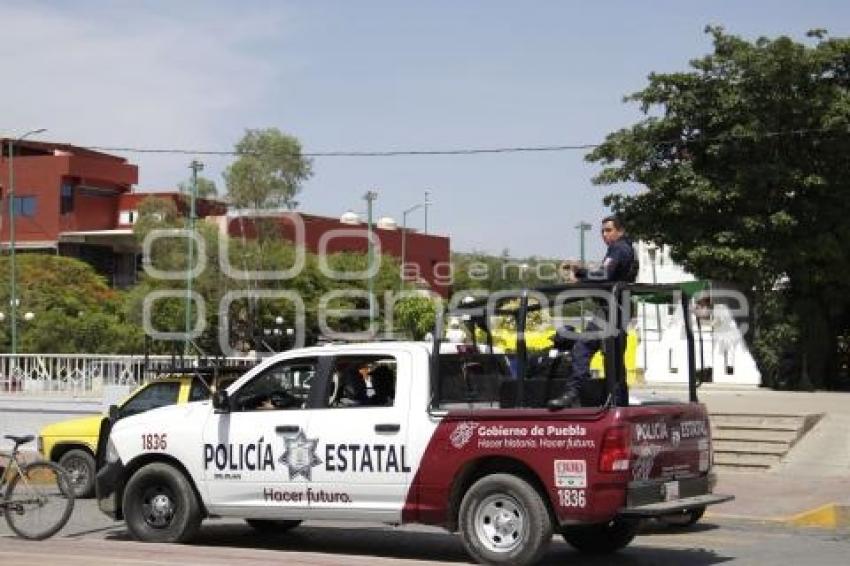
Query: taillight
{"type": "Point", "coordinates": [614, 456]}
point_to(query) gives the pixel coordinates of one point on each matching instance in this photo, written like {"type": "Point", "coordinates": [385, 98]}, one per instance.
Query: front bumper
{"type": "Point", "coordinates": [107, 486]}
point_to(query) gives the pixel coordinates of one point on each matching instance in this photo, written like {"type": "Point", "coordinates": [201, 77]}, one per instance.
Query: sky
{"type": "Point", "coordinates": [374, 75]}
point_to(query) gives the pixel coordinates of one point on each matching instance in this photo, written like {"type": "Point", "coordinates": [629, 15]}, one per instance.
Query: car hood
{"type": "Point", "coordinates": [83, 426]}
{"type": "Point", "coordinates": [169, 413]}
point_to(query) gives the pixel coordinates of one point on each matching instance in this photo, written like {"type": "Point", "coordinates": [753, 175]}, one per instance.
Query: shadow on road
{"type": "Point", "coordinates": [418, 545]}
{"type": "Point", "coordinates": [658, 528]}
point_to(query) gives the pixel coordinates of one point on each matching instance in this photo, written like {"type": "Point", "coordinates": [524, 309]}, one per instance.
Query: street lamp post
{"type": "Point", "coordinates": [425, 205]}
{"type": "Point", "coordinates": [12, 267]}
{"type": "Point", "coordinates": [582, 227]}
{"type": "Point", "coordinates": [370, 197]}
{"type": "Point", "coordinates": [195, 166]}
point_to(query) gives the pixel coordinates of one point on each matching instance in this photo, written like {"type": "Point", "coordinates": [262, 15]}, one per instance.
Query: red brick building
{"type": "Point", "coordinates": [79, 203]}
{"type": "Point", "coordinates": [426, 255]}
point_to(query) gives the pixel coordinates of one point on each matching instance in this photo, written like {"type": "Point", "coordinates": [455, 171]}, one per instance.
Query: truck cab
{"type": "Point", "coordinates": [411, 432]}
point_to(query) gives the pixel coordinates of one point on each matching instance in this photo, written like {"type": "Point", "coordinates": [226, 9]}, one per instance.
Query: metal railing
{"type": "Point", "coordinates": [86, 375]}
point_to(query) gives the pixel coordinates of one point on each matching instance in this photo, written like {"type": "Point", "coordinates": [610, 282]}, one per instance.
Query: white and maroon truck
{"type": "Point", "coordinates": [411, 432]}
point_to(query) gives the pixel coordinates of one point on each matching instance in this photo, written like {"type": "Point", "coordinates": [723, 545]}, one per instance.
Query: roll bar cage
{"type": "Point", "coordinates": [474, 313]}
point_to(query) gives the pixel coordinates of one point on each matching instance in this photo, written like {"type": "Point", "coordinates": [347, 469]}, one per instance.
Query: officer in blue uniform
{"type": "Point", "coordinates": [619, 264]}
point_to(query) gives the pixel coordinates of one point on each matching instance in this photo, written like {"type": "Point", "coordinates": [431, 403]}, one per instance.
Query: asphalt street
{"type": "Point", "coordinates": [92, 539]}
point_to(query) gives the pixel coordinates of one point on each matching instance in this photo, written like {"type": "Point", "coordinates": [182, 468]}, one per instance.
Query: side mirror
{"type": "Point", "coordinates": [221, 401]}
{"type": "Point", "coordinates": [114, 413]}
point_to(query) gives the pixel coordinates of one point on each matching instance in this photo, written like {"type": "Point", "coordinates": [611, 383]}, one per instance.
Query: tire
{"type": "Point", "coordinates": [81, 469]}
{"type": "Point", "coordinates": [272, 526]}
{"type": "Point", "coordinates": [683, 520]}
{"type": "Point", "coordinates": [160, 505]}
{"type": "Point", "coordinates": [603, 538]}
{"type": "Point", "coordinates": [504, 520]}
{"type": "Point", "coordinates": [39, 501]}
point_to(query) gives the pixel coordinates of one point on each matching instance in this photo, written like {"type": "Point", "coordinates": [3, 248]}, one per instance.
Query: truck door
{"type": "Point", "coordinates": [256, 457]}
{"type": "Point", "coordinates": [365, 459]}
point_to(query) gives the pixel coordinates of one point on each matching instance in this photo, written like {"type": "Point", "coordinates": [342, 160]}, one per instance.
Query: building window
{"type": "Point", "coordinates": [24, 206]}
{"type": "Point", "coordinates": [66, 199]}
{"type": "Point", "coordinates": [128, 217]}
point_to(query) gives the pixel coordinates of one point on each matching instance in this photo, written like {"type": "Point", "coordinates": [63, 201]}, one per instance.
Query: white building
{"type": "Point", "coordinates": [662, 352]}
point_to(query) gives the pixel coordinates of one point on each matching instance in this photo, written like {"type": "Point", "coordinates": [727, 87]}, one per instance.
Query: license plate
{"type": "Point", "coordinates": [671, 490]}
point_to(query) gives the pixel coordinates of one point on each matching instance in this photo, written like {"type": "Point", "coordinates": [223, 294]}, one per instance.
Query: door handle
{"type": "Point", "coordinates": [288, 429]}
{"type": "Point", "coordinates": [387, 428]}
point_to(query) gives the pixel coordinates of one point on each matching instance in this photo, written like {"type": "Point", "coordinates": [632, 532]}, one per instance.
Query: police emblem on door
{"type": "Point", "coordinates": [299, 456]}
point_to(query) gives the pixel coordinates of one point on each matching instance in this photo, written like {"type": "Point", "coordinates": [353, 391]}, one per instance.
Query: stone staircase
{"type": "Point", "coordinates": [755, 442]}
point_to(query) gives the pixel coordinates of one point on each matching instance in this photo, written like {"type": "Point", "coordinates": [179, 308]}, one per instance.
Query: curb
{"type": "Point", "coordinates": [830, 516]}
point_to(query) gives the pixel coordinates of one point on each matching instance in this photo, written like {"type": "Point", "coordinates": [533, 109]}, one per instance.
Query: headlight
{"type": "Point", "coordinates": [111, 453]}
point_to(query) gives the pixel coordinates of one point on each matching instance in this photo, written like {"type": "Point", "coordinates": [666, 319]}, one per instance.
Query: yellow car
{"type": "Point", "coordinates": [73, 443]}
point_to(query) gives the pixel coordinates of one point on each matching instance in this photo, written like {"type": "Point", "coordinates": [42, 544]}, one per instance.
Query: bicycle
{"type": "Point", "coordinates": [39, 495]}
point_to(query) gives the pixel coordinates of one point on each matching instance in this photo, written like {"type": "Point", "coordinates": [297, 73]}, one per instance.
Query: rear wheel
{"type": "Point", "coordinates": [504, 520]}
{"type": "Point", "coordinates": [272, 526]}
{"type": "Point", "coordinates": [603, 538]}
{"type": "Point", "coordinates": [39, 501]}
{"type": "Point", "coordinates": [160, 505]}
{"type": "Point", "coordinates": [80, 467]}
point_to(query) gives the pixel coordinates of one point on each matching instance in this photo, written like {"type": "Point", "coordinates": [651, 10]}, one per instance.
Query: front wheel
{"type": "Point", "coordinates": [81, 468]}
{"type": "Point", "coordinates": [504, 520]}
{"type": "Point", "coordinates": [39, 501]}
{"type": "Point", "coordinates": [603, 538]}
{"type": "Point", "coordinates": [160, 505]}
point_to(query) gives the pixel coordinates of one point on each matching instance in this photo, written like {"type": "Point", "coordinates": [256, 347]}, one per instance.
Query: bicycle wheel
{"type": "Point", "coordinates": [39, 501]}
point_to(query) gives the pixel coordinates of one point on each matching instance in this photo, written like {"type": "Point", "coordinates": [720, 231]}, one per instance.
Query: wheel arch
{"type": "Point", "coordinates": [474, 470]}
{"type": "Point", "coordinates": [63, 447]}
{"type": "Point", "coordinates": [139, 462]}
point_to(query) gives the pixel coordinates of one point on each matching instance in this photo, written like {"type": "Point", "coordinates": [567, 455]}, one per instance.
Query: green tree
{"type": "Point", "coordinates": [206, 187]}
{"type": "Point", "coordinates": [74, 310]}
{"type": "Point", "coordinates": [268, 171]}
{"type": "Point", "coordinates": [416, 316]}
{"type": "Point", "coordinates": [743, 159]}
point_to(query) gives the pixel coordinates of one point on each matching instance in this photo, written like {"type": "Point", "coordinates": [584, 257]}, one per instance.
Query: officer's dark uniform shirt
{"type": "Point", "coordinates": [619, 262]}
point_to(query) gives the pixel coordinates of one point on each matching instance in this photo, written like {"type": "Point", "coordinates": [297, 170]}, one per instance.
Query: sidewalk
{"type": "Point", "coordinates": [814, 474]}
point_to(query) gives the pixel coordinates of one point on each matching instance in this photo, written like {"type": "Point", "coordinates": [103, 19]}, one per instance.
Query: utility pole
{"type": "Point", "coordinates": [13, 276]}
{"type": "Point", "coordinates": [404, 214]}
{"type": "Point", "coordinates": [582, 227]}
{"type": "Point", "coordinates": [370, 197]}
{"type": "Point", "coordinates": [427, 205]}
{"type": "Point", "coordinates": [195, 166]}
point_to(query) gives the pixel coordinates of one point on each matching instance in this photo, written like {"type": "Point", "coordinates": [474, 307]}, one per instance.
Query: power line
{"type": "Point", "coordinates": [480, 150]}
{"type": "Point", "coordinates": [387, 153]}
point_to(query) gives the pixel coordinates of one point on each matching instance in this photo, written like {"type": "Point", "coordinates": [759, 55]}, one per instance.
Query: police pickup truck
{"type": "Point", "coordinates": [411, 432]}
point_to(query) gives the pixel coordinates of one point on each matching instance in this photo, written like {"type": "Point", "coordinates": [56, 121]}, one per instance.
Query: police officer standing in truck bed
{"type": "Point", "coordinates": [619, 264]}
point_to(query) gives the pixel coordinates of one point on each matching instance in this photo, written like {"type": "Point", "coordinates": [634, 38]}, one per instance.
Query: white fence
{"type": "Point", "coordinates": [86, 375]}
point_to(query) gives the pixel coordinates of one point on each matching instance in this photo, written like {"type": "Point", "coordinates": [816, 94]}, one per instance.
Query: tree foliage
{"type": "Point", "coordinates": [206, 187]}
{"type": "Point", "coordinates": [248, 318]}
{"type": "Point", "coordinates": [268, 171]}
{"type": "Point", "coordinates": [74, 310]}
{"type": "Point", "coordinates": [415, 315]}
{"type": "Point", "coordinates": [743, 158]}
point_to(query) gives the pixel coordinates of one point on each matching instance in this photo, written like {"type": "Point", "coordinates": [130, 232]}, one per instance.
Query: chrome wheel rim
{"type": "Point", "coordinates": [158, 507]}
{"type": "Point", "coordinates": [78, 472]}
{"type": "Point", "coordinates": [500, 523]}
